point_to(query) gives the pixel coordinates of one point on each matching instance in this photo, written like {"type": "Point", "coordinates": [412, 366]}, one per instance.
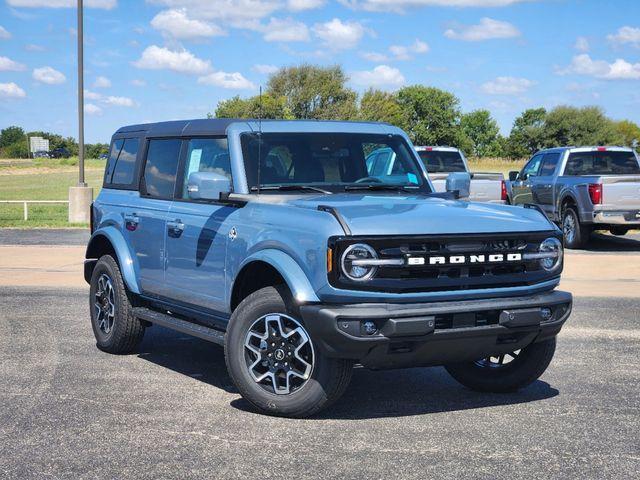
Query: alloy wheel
{"type": "Point", "coordinates": [569, 227]}
{"type": "Point", "coordinates": [105, 304]}
{"type": "Point", "coordinates": [278, 353]}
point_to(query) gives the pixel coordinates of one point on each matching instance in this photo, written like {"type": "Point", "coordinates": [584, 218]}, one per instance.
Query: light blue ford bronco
{"type": "Point", "coordinates": [276, 240]}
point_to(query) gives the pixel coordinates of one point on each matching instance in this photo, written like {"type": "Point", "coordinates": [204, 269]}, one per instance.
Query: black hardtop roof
{"type": "Point", "coordinates": [201, 126]}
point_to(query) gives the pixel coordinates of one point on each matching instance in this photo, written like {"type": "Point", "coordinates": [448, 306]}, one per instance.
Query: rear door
{"type": "Point", "coordinates": [196, 245]}
{"type": "Point", "coordinates": [521, 188]}
{"type": "Point", "coordinates": [148, 219]}
{"type": "Point", "coordinates": [542, 184]}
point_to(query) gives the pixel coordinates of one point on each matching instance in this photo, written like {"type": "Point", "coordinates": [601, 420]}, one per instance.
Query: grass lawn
{"type": "Point", "coordinates": [52, 185]}
{"type": "Point", "coordinates": [497, 165]}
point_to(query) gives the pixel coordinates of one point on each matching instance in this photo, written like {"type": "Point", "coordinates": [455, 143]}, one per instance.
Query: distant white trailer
{"type": "Point", "coordinates": [38, 144]}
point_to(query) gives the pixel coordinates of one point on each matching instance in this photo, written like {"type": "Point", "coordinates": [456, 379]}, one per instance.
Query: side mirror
{"type": "Point", "coordinates": [459, 183]}
{"type": "Point", "coordinates": [513, 176]}
{"type": "Point", "coordinates": [207, 185]}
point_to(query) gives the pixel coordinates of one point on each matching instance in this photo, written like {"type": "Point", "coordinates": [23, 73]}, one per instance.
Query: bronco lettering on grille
{"type": "Point", "coordinates": [465, 259]}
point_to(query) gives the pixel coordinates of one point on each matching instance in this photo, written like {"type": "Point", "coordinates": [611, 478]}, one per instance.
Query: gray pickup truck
{"type": "Point", "coordinates": [441, 161]}
{"type": "Point", "coordinates": [582, 188]}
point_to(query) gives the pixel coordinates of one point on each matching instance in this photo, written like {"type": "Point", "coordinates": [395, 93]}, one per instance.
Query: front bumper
{"type": "Point", "coordinates": [436, 333]}
{"type": "Point", "coordinates": [630, 218]}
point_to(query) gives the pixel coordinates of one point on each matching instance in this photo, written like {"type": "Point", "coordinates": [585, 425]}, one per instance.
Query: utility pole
{"type": "Point", "coordinates": [80, 196]}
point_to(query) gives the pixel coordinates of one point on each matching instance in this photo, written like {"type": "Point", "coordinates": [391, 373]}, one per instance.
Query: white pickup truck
{"type": "Point", "coordinates": [441, 161]}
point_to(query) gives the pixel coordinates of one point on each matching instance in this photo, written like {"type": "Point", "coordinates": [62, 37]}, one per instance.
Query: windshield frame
{"type": "Point", "coordinates": [395, 138]}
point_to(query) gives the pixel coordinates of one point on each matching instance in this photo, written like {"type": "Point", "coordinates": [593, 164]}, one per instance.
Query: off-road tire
{"type": "Point", "coordinates": [327, 382]}
{"type": "Point", "coordinates": [581, 233]}
{"type": "Point", "coordinates": [525, 369]}
{"type": "Point", "coordinates": [127, 330]}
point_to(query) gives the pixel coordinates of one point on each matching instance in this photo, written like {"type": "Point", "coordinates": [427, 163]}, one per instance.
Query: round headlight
{"type": "Point", "coordinates": [550, 254]}
{"type": "Point", "coordinates": [355, 262]}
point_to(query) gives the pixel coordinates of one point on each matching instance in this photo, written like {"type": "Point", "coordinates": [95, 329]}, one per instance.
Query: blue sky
{"type": "Point", "coordinates": [165, 59]}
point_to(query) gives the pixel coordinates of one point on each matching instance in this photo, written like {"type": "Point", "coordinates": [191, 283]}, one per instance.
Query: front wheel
{"type": "Point", "coordinates": [273, 361]}
{"type": "Point", "coordinates": [506, 372]}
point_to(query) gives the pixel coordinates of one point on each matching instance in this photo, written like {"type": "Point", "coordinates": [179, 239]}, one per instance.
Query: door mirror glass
{"type": "Point", "coordinates": [207, 185]}
{"type": "Point", "coordinates": [459, 183]}
{"type": "Point", "coordinates": [513, 176]}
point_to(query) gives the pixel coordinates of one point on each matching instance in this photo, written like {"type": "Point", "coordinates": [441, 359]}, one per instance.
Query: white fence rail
{"type": "Point", "coordinates": [26, 203]}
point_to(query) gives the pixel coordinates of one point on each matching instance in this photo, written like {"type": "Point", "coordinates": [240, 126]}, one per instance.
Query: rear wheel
{"type": "Point", "coordinates": [619, 231]}
{"type": "Point", "coordinates": [273, 362]}
{"type": "Point", "coordinates": [115, 327]}
{"type": "Point", "coordinates": [506, 372]}
{"type": "Point", "coordinates": [576, 235]}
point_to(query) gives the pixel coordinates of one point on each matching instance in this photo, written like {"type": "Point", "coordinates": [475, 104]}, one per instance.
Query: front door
{"type": "Point", "coordinates": [521, 188]}
{"type": "Point", "coordinates": [542, 184]}
{"type": "Point", "coordinates": [196, 240]}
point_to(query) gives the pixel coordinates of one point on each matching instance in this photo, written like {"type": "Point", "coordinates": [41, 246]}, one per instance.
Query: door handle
{"type": "Point", "coordinates": [131, 221]}
{"type": "Point", "coordinates": [175, 228]}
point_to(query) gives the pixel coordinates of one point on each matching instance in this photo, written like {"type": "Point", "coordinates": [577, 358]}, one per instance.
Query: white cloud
{"type": "Point", "coordinates": [300, 5]}
{"type": "Point", "coordinates": [105, 4]}
{"type": "Point", "coordinates": [136, 82]}
{"type": "Point", "coordinates": [102, 82]}
{"type": "Point", "coordinates": [403, 52]}
{"type": "Point", "coordinates": [382, 76]}
{"type": "Point", "coordinates": [626, 35]}
{"type": "Point", "coordinates": [160, 58]}
{"type": "Point", "coordinates": [32, 47]}
{"type": "Point", "coordinates": [582, 44]}
{"type": "Point", "coordinates": [11, 90]}
{"type": "Point", "coordinates": [175, 23]}
{"type": "Point", "coordinates": [507, 86]}
{"type": "Point", "coordinates": [403, 5]}
{"type": "Point", "coordinates": [376, 57]}
{"type": "Point", "coordinates": [48, 75]}
{"type": "Point", "coordinates": [92, 95]}
{"type": "Point", "coordinates": [4, 33]}
{"type": "Point", "coordinates": [8, 65]}
{"type": "Point", "coordinates": [235, 81]}
{"type": "Point", "coordinates": [339, 35]}
{"type": "Point", "coordinates": [119, 101]}
{"type": "Point", "coordinates": [285, 30]}
{"type": "Point", "coordinates": [236, 13]}
{"type": "Point", "coordinates": [265, 69]}
{"type": "Point", "coordinates": [620, 69]}
{"type": "Point", "coordinates": [92, 109]}
{"type": "Point", "coordinates": [487, 29]}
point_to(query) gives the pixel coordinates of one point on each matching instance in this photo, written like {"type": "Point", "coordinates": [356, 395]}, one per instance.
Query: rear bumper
{"type": "Point", "coordinates": [618, 217]}
{"type": "Point", "coordinates": [434, 333]}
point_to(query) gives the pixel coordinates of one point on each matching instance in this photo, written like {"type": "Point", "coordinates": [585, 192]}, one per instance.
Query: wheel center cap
{"type": "Point", "coordinates": [279, 354]}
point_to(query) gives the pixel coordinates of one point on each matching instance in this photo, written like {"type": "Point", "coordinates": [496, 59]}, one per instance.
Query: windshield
{"type": "Point", "coordinates": [602, 163]}
{"type": "Point", "coordinates": [330, 161]}
{"type": "Point", "coordinates": [442, 161]}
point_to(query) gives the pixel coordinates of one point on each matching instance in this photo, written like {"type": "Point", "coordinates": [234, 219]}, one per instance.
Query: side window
{"type": "Point", "coordinates": [116, 146]}
{"type": "Point", "coordinates": [549, 163]}
{"type": "Point", "coordinates": [161, 167]}
{"type": "Point", "coordinates": [531, 168]}
{"type": "Point", "coordinates": [206, 155]}
{"type": "Point", "coordinates": [125, 167]}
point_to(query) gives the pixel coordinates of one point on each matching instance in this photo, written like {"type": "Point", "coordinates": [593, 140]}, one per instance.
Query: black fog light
{"type": "Point", "coordinates": [369, 328]}
{"type": "Point", "coordinates": [546, 313]}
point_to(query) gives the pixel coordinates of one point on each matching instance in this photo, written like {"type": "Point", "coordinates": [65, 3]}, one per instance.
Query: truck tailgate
{"type": "Point", "coordinates": [620, 192]}
{"type": "Point", "coordinates": [485, 187]}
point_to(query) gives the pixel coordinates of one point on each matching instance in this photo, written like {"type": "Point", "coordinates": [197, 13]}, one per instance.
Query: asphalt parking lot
{"type": "Point", "coordinates": [71, 411]}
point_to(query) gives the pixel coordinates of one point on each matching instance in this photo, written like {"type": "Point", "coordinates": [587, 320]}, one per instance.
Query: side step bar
{"type": "Point", "coordinates": [183, 326]}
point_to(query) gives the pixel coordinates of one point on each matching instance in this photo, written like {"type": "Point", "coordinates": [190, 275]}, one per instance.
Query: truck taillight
{"type": "Point", "coordinates": [595, 192]}
{"type": "Point", "coordinates": [503, 191]}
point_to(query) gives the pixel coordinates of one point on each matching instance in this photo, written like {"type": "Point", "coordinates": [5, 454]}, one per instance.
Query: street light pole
{"type": "Point", "coordinates": [81, 181]}
{"type": "Point", "coordinates": [80, 195]}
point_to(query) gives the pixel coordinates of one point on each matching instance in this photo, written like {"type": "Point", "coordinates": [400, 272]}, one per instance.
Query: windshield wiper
{"type": "Point", "coordinates": [290, 188]}
{"type": "Point", "coordinates": [379, 186]}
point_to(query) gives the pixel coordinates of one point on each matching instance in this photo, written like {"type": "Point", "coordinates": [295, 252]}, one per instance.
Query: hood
{"type": "Point", "coordinates": [398, 214]}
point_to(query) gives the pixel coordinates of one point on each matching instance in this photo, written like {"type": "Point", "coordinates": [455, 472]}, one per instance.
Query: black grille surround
{"type": "Point", "coordinates": [448, 277]}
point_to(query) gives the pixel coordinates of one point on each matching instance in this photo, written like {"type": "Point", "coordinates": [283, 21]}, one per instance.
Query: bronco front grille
{"type": "Point", "coordinates": [461, 269]}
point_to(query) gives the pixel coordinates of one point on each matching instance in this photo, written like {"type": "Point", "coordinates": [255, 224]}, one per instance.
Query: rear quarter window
{"type": "Point", "coordinates": [602, 163]}
{"type": "Point", "coordinates": [121, 167]}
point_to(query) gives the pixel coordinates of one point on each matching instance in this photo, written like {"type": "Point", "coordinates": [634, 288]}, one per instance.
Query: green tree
{"type": "Point", "coordinates": [433, 115]}
{"type": "Point", "coordinates": [629, 132]}
{"type": "Point", "coordinates": [482, 131]}
{"type": "Point", "coordinates": [566, 125]}
{"type": "Point", "coordinates": [314, 92]}
{"type": "Point", "coordinates": [17, 149]}
{"type": "Point", "coordinates": [96, 149]}
{"type": "Point", "coordinates": [269, 107]}
{"type": "Point", "coordinates": [11, 135]}
{"type": "Point", "coordinates": [379, 106]}
{"type": "Point", "coordinates": [527, 134]}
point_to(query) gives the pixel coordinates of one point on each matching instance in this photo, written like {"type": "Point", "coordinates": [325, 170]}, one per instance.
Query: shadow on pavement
{"type": "Point", "coordinates": [600, 242]}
